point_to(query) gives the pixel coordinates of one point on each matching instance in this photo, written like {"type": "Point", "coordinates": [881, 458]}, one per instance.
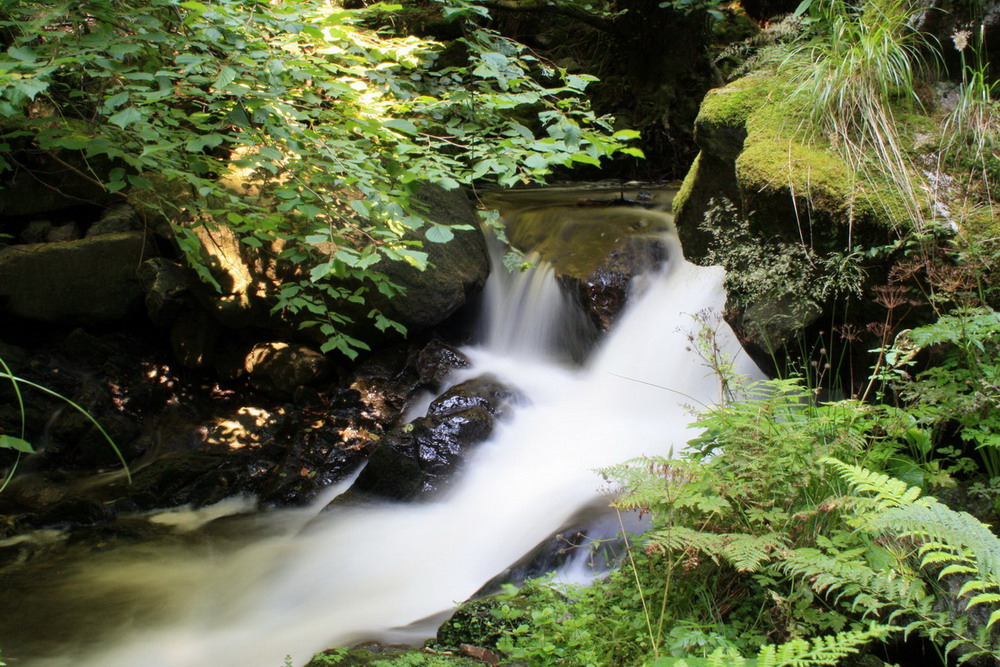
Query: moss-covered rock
{"type": "Point", "coordinates": [790, 187]}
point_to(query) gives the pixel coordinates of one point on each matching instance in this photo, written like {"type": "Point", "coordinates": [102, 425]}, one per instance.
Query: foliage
{"type": "Point", "coordinates": [944, 564]}
{"type": "Point", "coordinates": [793, 653]}
{"type": "Point", "coordinates": [765, 543]}
{"type": "Point", "coordinates": [971, 131]}
{"type": "Point", "coordinates": [305, 127]}
{"type": "Point", "coordinates": [860, 63]}
{"type": "Point", "coordinates": [963, 387]}
{"type": "Point", "coordinates": [774, 271]}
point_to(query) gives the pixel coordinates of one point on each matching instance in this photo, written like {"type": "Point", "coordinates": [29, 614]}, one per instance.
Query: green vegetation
{"type": "Point", "coordinates": [305, 127]}
{"type": "Point", "coordinates": [22, 446]}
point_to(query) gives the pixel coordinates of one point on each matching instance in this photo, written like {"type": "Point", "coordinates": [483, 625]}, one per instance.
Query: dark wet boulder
{"type": "Point", "coordinates": [418, 460]}
{"type": "Point", "coordinates": [167, 289]}
{"type": "Point", "coordinates": [387, 382]}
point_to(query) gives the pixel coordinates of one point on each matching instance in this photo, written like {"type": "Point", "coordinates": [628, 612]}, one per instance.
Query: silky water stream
{"type": "Point", "coordinates": [310, 579]}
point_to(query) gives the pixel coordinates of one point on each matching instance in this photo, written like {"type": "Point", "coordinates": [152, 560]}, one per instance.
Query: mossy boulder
{"type": "Point", "coordinates": [790, 186]}
{"type": "Point", "coordinates": [756, 152]}
{"type": "Point", "coordinates": [82, 281]}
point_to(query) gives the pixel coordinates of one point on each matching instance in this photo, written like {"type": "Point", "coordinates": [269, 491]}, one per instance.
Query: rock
{"type": "Point", "coordinates": [456, 271]}
{"type": "Point", "coordinates": [166, 285]}
{"type": "Point", "coordinates": [115, 219]}
{"type": "Point", "coordinates": [279, 368]}
{"type": "Point", "coordinates": [249, 281]}
{"type": "Point", "coordinates": [788, 193]}
{"type": "Point", "coordinates": [83, 281]}
{"type": "Point", "coordinates": [67, 232]}
{"type": "Point", "coordinates": [596, 251]}
{"type": "Point", "coordinates": [36, 231]}
{"type": "Point", "coordinates": [389, 380]}
{"type": "Point", "coordinates": [419, 460]}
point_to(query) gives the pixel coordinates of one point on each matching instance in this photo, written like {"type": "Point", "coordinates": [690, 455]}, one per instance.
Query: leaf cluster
{"type": "Point", "coordinates": [301, 124]}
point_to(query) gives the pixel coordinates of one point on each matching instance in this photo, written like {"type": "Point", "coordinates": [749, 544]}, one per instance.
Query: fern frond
{"type": "Point", "coordinates": [887, 491]}
{"type": "Point", "coordinates": [829, 650]}
{"type": "Point", "coordinates": [959, 534]}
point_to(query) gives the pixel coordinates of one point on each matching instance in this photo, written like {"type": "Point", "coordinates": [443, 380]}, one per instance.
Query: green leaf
{"type": "Point", "coordinates": [226, 76]}
{"type": "Point", "coordinates": [10, 442]}
{"type": "Point", "coordinates": [126, 117]}
{"type": "Point", "coordinates": [401, 125]}
{"type": "Point", "coordinates": [116, 101]}
{"type": "Point", "coordinates": [439, 234]}
{"type": "Point", "coordinates": [23, 53]}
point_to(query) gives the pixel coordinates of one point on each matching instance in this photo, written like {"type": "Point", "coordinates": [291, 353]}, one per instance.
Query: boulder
{"type": "Point", "coordinates": [115, 219]}
{"type": "Point", "coordinates": [279, 368]}
{"type": "Point", "coordinates": [83, 281]}
{"type": "Point", "coordinates": [167, 289]}
{"type": "Point", "coordinates": [755, 168]}
{"type": "Point", "coordinates": [597, 249]}
{"type": "Point", "coordinates": [247, 281]}
{"type": "Point", "coordinates": [419, 460]}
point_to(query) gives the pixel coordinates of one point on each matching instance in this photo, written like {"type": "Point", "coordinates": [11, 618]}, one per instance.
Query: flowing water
{"type": "Point", "coordinates": [309, 580]}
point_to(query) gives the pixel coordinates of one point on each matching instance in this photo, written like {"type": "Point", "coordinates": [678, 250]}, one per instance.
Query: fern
{"type": "Point", "coordinates": [949, 550]}
{"type": "Point", "coordinates": [828, 650]}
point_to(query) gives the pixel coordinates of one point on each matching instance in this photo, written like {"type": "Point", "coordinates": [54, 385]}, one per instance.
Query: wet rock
{"type": "Point", "coordinates": [483, 393]}
{"type": "Point", "coordinates": [88, 280]}
{"type": "Point", "coordinates": [279, 368]}
{"type": "Point", "coordinates": [388, 381]}
{"type": "Point", "coordinates": [418, 460]}
{"type": "Point", "coordinates": [194, 478]}
{"type": "Point", "coordinates": [73, 512]}
{"type": "Point", "coordinates": [166, 286]}
{"type": "Point", "coordinates": [597, 252]}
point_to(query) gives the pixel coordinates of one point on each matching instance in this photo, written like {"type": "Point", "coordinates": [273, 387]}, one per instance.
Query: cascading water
{"type": "Point", "coordinates": [317, 580]}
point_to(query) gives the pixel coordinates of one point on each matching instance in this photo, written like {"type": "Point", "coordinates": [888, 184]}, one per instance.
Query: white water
{"type": "Point", "coordinates": [355, 574]}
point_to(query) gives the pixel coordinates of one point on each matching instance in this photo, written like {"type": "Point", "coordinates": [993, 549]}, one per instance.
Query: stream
{"type": "Point", "coordinates": [228, 589]}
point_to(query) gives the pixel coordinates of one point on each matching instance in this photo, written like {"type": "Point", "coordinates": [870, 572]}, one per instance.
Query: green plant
{"type": "Point", "coordinates": [304, 127]}
{"type": "Point", "coordinates": [862, 61]}
{"type": "Point", "coordinates": [779, 284]}
{"type": "Point", "coordinates": [22, 446]}
{"type": "Point", "coordinates": [915, 563]}
{"type": "Point", "coordinates": [963, 387]}
{"type": "Point", "coordinates": [793, 653]}
{"type": "Point", "coordinates": [971, 131]}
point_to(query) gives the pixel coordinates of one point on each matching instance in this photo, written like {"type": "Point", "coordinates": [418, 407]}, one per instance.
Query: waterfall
{"type": "Point", "coordinates": [317, 580]}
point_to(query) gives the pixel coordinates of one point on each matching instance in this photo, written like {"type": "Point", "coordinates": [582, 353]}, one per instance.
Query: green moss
{"type": "Point", "coordinates": [778, 159]}
{"type": "Point", "coordinates": [687, 186]}
{"type": "Point", "coordinates": [733, 104]}
{"type": "Point", "coordinates": [981, 222]}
